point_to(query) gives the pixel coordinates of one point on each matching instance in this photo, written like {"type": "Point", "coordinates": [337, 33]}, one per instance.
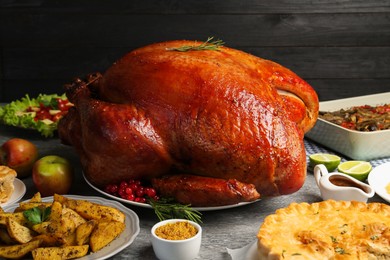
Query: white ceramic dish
{"type": "Point", "coordinates": [145, 205]}
{"type": "Point", "coordinates": [353, 144]}
{"type": "Point", "coordinates": [354, 190]}
{"type": "Point", "coordinates": [124, 240]}
{"type": "Point", "coordinates": [185, 249]}
{"type": "Point", "coordinates": [379, 178]}
{"type": "Point", "coordinates": [19, 191]}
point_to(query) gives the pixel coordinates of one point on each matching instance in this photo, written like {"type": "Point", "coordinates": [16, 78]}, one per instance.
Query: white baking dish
{"type": "Point", "coordinates": [353, 144]}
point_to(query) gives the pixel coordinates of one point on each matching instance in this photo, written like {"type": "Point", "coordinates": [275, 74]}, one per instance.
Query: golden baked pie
{"type": "Point", "coordinates": [7, 177]}
{"type": "Point", "coordinates": [327, 230]}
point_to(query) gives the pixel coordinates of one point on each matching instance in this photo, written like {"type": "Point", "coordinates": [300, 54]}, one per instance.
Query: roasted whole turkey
{"type": "Point", "coordinates": [207, 127]}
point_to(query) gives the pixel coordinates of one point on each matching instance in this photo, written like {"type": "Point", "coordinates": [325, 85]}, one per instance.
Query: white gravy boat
{"type": "Point", "coordinates": [340, 186]}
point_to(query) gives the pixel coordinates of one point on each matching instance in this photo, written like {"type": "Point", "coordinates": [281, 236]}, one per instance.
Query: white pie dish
{"type": "Point", "coordinates": [353, 144]}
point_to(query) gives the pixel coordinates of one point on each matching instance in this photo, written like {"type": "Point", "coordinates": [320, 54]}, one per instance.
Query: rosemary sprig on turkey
{"type": "Point", "coordinates": [167, 208]}
{"type": "Point", "coordinates": [207, 45]}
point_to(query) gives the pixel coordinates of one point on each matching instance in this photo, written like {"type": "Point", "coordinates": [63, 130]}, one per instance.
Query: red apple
{"type": "Point", "coordinates": [52, 174]}
{"type": "Point", "coordinates": [20, 155]}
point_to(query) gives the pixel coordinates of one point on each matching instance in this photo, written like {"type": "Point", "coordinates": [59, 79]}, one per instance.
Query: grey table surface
{"type": "Point", "coordinates": [228, 228]}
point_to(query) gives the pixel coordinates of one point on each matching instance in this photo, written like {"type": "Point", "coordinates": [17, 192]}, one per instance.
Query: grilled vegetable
{"type": "Point", "coordinates": [361, 118]}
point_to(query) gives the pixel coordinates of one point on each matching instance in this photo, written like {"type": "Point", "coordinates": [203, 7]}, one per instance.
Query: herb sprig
{"type": "Point", "coordinates": [167, 208]}
{"type": "Point", "coordinates": [37, 215]}
{"type": "Point", "coordinates": [207, 45]}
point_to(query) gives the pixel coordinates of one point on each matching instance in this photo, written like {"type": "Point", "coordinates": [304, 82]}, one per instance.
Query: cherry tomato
{"type": "Point", "coordinates": [63, 104]}
{"type": "Point", "coordinates": [43, 114]}
{"type": "Point", "coordinates": [57, 117]}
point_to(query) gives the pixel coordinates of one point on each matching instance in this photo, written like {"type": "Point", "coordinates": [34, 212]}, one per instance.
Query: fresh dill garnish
{"type": "Point", "coordinates": [167, 208]}
{"type": "Point", "coordinates": [207, 45]}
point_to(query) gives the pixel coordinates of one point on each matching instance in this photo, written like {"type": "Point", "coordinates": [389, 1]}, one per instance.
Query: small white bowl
{"type": "Point", "coordinates": [186, 249]}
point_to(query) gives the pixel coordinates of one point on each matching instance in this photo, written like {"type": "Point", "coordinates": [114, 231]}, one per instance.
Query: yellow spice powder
{"type": "Point", "coordinates": [388, 188]}
{"type": "Point", "coordinates": [176, 231]}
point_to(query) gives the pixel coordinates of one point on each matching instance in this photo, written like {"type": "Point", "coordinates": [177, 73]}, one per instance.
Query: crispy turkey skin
{"type": "Point", "coordinates": [221, 114]}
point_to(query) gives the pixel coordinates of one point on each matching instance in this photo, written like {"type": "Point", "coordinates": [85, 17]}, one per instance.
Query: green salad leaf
{"type": "Point", "coordinates": [14, 113]}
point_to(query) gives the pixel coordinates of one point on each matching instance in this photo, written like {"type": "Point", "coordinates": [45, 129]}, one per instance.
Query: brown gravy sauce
{"type": "Point", "coordinates": [344, 182]}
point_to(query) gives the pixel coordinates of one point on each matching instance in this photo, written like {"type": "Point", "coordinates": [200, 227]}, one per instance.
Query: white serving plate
{"type": "Point", "coordinates": [19, 191]}
{"type": "Point", "coordinates": [124, 240]}
{"type": "Point", "coordinates": [353, 144]}
{"type": "Point", "coordinates": [379, 178]}
{"type": "Point", "coordinates": [145, 205]}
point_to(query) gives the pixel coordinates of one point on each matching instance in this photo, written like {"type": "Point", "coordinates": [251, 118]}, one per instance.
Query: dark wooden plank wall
{"type": "Point", "coordinates": [341, 47]}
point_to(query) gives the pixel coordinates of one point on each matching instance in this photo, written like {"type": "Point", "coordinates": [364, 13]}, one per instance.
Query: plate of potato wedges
{"type": "Point", "coordinates": [66, 227]}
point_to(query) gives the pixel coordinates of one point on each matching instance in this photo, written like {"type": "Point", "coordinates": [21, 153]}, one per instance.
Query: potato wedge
{"type": "Point", "coordinates": [84, 231]}
{"type": "Point", "coordinates": [47, 240]}
{"type": "Point", "coordinates": [36, 198]}
{"type": "Point", "coordinates": [20, 233]}
{"type": "Point", "coordinates": [56, 211]}
{"type": "Point", "coordinates": [104, 233]}
{"type": "Point", "coordinates": [29, 205]}
{"type": "Point", "coordinates": [63, 223]}
{"type": "Point", "coordinates": [41, 228]}
{"type": "Point", "coordinates": [19, 217]}
{"type": "Point", "coordinates": [69, 240]}
{"type": "Point", "coordinates": [54, 253]}
{"type": "Point", "coordinates": [73, 215]}
{"type": "Point", "coordinates": [18, 251]}
{"type": "Point", "coordinates": [57, 226]}
{"type": "Point", "coordinates": [89, 210]}
{"type": "Point", "coordinates": [61, 228]}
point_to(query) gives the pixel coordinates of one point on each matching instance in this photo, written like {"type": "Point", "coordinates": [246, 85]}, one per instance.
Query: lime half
{"type": "Point", "coordinates": [357, 169]}
{"type": "Point", "coordinates": [330, 161]}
